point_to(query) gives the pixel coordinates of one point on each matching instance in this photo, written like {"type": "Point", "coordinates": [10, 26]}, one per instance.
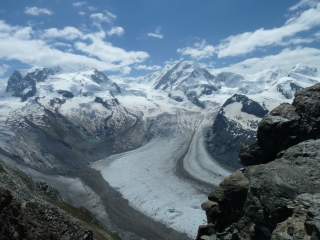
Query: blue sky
{"type": "Point", "coordinates": [136, 37]}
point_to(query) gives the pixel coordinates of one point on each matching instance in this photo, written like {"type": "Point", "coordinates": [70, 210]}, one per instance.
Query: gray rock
{"type": "Point", "coordinates": [221, 140]}
{"type": "Point", "coordinates": [284, 127]}
{"type": "Point", "coordinates": [304, 222]}
{"type": "Point", "coordinates": [277, 195]}
{"type": "Point", "coordinates": [255, 201]}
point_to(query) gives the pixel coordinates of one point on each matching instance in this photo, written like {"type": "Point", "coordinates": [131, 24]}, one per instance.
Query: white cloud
{"type": "Point", "coordinates": [68, 33]}
{"type": "Point", "coordinates": [82, 13]}
{"type": "Point", "coordinates": [3, 69]}
{"type": "Point", "coordinates": [296, 41]}
{"type": "Point", "coordinates": [92, 8]}
{"type": "Point", "coordinates": [79, 4]}
{"type": "Point", "coordinates": [249, 41]}
{"type": "Point", "coordinates": [108, 53]}
{"type": "Point", "coordinates": [156, 34]}
{"type": "Point", "coordinates": [303, 4]}
{"type": "Point", "coordinates": [116, 31]}
{"type": "Point", "coordinates": [61, 44]}
{"type": "Point", "coordinates": [317, 34]}
{"type": "Point", "coordinates": [37, 11]}
{"type": "Point", "coordinates": [286, 59]}
{"type": "Point", "coordinates": [103, 17]}
{"type": "Point", "coordinates": [145, 67]}
{"type": "Point", "coordinates": [24, 45]}
{"type": "Point", "coordinates": [198, 50]}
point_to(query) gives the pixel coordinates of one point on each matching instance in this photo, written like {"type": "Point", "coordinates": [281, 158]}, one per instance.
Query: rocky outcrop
{"type": "Point", "coordinates": [25, 86]}
{"type": "Point", "coordinates": [34, 210]}
{"type": "Point", "coordinates": [277, 195]}
{"type": "Point", "coordinates": [228, 134]}
{"type": "Point", "coordinates": [192, 97]}
{"type": "Point", "coordinates": [36, 221]}
{"type": "Point", "coordinates": [107, 104]}
{"type": "Point", "coordinates": [285, 126]}
{"type": "Point", "coordinates": [304, 222]}
{"type": "Point", "coordinates": [66, 94]}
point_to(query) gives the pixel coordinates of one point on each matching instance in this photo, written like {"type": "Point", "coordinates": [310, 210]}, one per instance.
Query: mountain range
{"type": "Point", "coordinates": [182, 126]}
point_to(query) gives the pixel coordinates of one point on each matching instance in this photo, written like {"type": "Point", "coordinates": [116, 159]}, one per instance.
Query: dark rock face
{"type": "Point", "coordinates": [277, 195]}
{"type": "Point", "coordinates": [25, 87]}
{"type": "Point", "coordinates": [99, 77]}
{"type": "Point", "coordinates": [192, 97]}
{"type": "Point", "coordinates": [221, 140]}
{"type": "Point", "coordinates": [209, 89]}
{"type": "Point", "coordinates": [107, 104]}
{"type": "Point", "coordinates": [21, 87]}
{"type": "Point", "coordinates": [176, 98]}
{"type": "Point", "coordinates": [66, 94]}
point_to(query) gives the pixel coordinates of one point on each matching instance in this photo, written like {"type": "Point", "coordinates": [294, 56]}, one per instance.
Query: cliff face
{"type": "Point", "coordinates": [234, 126]}
{"type": "Point", "coordinates": [277, 195]}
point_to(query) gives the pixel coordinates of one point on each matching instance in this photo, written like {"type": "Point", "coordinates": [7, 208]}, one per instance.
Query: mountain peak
{"type": "Point", "coordinates": [61, 79]}
{"type": "Point", "coordinates": [189, 64]}
{"type": "Point", "coordinates": [75, 68]}
{"type": "Point", "coordinates": [52, 70]}
{"type": "Point", "coordinates": [301, 68]}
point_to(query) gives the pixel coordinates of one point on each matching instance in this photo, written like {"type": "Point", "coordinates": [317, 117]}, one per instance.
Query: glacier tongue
{"type": "Point", "coordinates": [150, 178]}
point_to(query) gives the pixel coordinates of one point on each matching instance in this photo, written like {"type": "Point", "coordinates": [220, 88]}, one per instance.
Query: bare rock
{"type": "Point", "coordinates": [304, 222]}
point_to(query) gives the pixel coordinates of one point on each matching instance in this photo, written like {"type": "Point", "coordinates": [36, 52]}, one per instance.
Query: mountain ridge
{"type": "Point", "coordinates": [78, 118]}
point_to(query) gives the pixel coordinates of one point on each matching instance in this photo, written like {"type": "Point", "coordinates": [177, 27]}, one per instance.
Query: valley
{"type": "Point", "coordinates": [141, 154]}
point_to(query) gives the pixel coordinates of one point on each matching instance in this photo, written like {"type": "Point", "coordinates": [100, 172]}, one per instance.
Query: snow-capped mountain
{"type": "Point", "coordinates": [188, 81]}
{"type": "Point", "coordinates": [300, 76]}
{"type": "Point", "coordinates": [155, 128]}
{"type": "Point", "coordinates": [65, 113]}
{"type": "Point", "coordinates": [185, 80]}
{"type": "Point", "coordinates": [248, 84]}
{"type": "Point", "coordinates": [98, 109]}
{"type": "Point", "coordinates": [235, 125]}
{"type": "Point", "coordinates": [59, 81]}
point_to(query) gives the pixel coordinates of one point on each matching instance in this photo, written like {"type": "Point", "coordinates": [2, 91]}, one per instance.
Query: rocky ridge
{"type": "Point", "coordinates": [34, 210]}
{"type": "Point", "coordinates": [277, 195]}
{"type": "Point", "coordinates": [230, 132]}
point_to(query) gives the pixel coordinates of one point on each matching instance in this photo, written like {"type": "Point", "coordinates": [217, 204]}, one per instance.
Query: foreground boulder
{"type": "Point", "coordinates": [277, 195]}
